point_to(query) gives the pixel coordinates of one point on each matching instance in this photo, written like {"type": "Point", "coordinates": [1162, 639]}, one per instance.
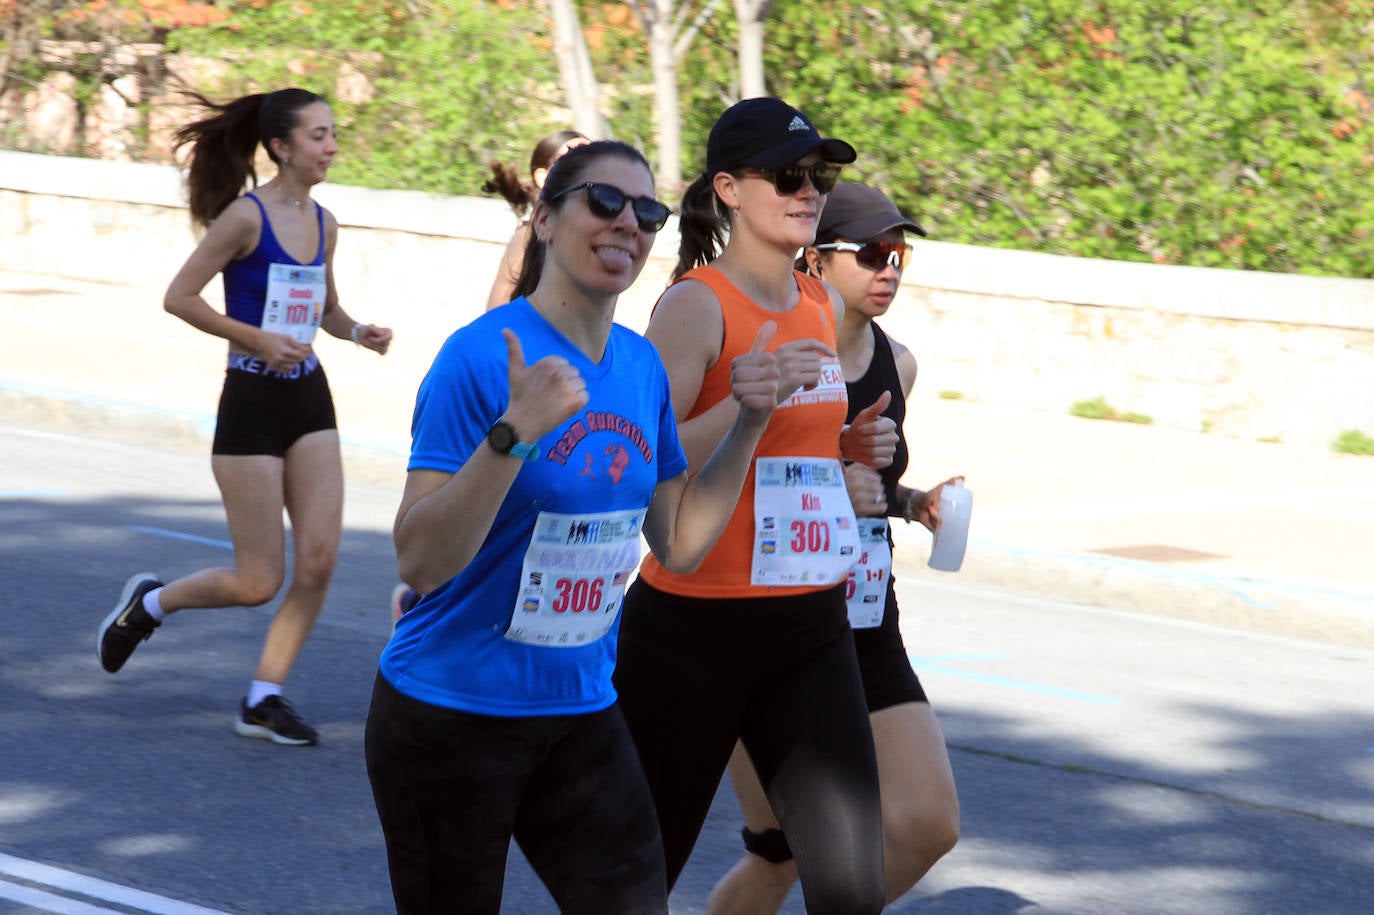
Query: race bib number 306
{"type": "Point", "coordinates": [574, 576]}
{"type": "Point", "coordinates": [804, 527]}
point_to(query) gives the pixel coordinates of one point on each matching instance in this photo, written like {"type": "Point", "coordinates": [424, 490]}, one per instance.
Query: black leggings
{"type": "Point", "coordinates": [695, 675]}
{"type": "Point", "coordinates": [451, 788]}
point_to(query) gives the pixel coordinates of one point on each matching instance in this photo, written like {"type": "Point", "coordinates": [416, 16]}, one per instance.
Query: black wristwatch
{"type": "Point", "coordinates": [503, 440]}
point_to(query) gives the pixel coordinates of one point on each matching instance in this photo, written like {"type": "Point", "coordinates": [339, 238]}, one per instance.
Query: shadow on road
{"type": "Point", "coordinates": [138, 778]}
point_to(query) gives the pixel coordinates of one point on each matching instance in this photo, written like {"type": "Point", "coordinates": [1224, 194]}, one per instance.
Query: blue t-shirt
{"type": "Point", "coordinates": [245, 279]}
{"type": "Point", "coordinates": [451, 649]}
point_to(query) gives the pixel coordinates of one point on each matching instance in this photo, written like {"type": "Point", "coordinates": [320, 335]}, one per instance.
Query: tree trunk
{"type": "Point", "coordinates": [751, 16]}
{"type": "Point", "coordinates": [666, 114]}
{"type": "Point", "coordinates": [575, 69]}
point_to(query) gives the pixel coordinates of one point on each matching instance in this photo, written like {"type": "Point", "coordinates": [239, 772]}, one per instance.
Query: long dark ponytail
{"type": "Point", "coordinates": [223, 145]}
{"type": "Point", "coordinates": [701, 226]}
{"type": "Point", "coordinates": [506, 181]}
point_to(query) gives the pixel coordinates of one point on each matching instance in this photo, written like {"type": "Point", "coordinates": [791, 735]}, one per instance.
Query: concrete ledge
{"type": "Point", "coordinates": [1254, 356]}
{"type": "Point", "coordinates": [1229, 294]}
{"type": "Point", "coordinates": [482, 219]}
{"type": "Point", "coordinates": [1237, 295]}
{"type": "Point", "coordinates": [92, 179]}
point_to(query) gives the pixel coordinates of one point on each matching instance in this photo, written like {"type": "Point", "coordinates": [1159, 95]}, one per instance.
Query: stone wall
{"type": "Point", "coordinates": [1246, 354]}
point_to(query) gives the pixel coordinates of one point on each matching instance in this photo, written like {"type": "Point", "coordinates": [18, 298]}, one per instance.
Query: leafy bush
{"type": "Point", "coordinates": [1353, 441]}
{"type": "Point", "coordinates": [1098, 408]}
{"type": "Point", "coordinates": [436, 89]}
{"type": "Point", "coordinates": [1231, 134]}
{"type": "Point", "coordinates": [1238, 133]}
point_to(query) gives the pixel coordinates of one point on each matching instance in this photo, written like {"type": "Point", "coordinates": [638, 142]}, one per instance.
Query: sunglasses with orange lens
{"type": "Point", "coordinates": [873, 255]}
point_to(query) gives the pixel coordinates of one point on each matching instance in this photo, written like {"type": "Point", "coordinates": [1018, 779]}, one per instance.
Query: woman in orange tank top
{"type": "Point", "coordinates": [861, 250]}
{"type": "Point", "coordinates": [755, 645]}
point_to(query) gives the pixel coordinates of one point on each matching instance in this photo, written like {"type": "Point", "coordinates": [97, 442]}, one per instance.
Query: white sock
{"type": "Point", "coordinates": [259, 690]}
{"type": "Point", "coordinates": [152, 603]}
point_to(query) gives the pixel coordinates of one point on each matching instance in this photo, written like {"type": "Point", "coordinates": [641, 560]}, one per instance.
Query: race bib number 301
{"type": "Point", "coordinates": [804, 527]}
{"type": "Point", "coordinates": [574, 577]}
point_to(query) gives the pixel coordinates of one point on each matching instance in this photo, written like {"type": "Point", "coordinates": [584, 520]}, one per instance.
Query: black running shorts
{"type": "Point", "coordinates": [883, 661]}
{"type": "Point", "coordinates": [262, 412]}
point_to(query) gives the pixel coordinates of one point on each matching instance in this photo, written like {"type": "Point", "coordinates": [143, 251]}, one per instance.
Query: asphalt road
{"type": "Point", "coordinates": [1107, 763]}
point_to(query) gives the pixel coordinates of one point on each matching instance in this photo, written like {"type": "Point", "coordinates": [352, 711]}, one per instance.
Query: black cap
{"type": "Point", "coordinates": [860, 212]}
{"type": "Point", "coordinates": [767, 133]}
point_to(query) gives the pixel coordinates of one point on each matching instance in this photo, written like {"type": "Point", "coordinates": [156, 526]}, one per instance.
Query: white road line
{"type": "Point", "coordinates": [90, 887]}
{"type": "Point", "coordinates": [47, 902]}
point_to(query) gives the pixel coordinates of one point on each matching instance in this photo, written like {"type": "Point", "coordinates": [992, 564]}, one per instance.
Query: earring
{"type": "Point", "coordinates": [286, 161]}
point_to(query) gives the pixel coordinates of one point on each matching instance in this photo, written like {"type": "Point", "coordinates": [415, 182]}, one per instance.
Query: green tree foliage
{"type": "Point", "coordinates": [1236, 133]}
{"type": "Point", "coordinates": [1230, 134]}
{"type": "Point", "coordinates": [425, 93]}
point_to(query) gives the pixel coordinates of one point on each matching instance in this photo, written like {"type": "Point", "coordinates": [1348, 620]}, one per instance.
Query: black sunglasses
{"type": "Point", "coordinates": [606, 201]}
{"type": "Point", "coordinates": [874, 255]}
{"type": "Point", "coordinates": [789, 180]}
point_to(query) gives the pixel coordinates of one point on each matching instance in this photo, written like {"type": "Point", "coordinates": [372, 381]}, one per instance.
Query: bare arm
{"type": "Point", "coordinates": [503, 287]}
{"type": "Point", "coordinates": [232, 235]}
{"type": "Point", "coordinates": [687, 329]}
{"type": "Point", "coordinates": [444, 517]}
{"type": "Point", "coordinates": [906, 367]}
{"type": "Point", "coordinates": [335, 321]}
{"type": "Point", "coordinates": [686, 517]}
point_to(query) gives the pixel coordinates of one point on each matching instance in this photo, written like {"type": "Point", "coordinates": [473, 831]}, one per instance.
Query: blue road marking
{"type": "Point", "coordinates": [178, 535]}
{"type": "Point", "coordinates": [924, 665]}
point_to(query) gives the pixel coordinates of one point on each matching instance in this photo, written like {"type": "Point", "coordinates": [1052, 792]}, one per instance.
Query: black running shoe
{"type": "Point", "coordinates": [127, 624]}
{"type": "Point", "coordinates": [274, 719]}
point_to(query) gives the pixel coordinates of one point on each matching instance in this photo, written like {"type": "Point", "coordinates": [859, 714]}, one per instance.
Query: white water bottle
{"type": "Point", "coordinates": [951, 538]}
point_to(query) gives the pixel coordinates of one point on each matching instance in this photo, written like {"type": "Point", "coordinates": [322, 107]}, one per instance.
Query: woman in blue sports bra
{"type": "Point", "coordinates": [276, 441]}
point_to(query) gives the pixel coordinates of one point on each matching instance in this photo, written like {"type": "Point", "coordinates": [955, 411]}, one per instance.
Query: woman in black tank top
{"type": "Point", "coordinates": [860, 250]}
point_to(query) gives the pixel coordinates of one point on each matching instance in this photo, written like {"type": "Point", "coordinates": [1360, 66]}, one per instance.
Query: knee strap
{"type": "Point", "coordinates": [770, 845]}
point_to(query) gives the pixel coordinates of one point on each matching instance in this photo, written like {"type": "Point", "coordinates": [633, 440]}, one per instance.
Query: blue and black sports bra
{"type": "Point", "coordinates": [245, 280]}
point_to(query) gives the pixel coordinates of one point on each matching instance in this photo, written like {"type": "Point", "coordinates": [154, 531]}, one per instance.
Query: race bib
{"type": "Point", "coordinates": [804, 527]}
{"type": "Point", "coordinates": [866, 589]}
{"type": "Point", "coordinates": [574, 577]}
{"type": "Point", "coordinates": [295, 301]}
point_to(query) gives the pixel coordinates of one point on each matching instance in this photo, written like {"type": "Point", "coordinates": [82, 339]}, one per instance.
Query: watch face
{"type": "Point", "coordinates": [501, 437]}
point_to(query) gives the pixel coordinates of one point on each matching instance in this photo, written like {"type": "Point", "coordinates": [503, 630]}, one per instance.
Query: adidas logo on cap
{"type": "Point", "coordinates": [798, 124]}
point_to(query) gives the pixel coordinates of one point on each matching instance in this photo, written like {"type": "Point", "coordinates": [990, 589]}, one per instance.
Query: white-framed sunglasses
{"type": "Point", "coordinates": [874, 255]}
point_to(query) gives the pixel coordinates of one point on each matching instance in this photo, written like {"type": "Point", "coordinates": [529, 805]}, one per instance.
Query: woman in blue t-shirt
{"type": "Point", "coordinates": [276, 441]}
{"type": "Point", "coordinates": [545, 445]}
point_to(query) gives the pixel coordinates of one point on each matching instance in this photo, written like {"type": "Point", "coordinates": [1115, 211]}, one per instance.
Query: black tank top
{"type": "Point", "coordinates": [882, 376]}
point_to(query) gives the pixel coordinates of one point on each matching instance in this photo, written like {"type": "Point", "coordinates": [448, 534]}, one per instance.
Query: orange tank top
{"type": "Point", "coordinates": [807, 425]}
